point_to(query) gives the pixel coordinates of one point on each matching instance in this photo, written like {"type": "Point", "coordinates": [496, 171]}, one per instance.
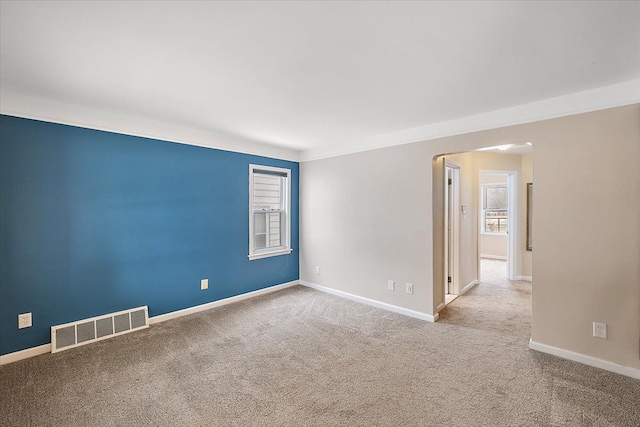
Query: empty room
{"type": "Point", "coordinates": [319, 213]}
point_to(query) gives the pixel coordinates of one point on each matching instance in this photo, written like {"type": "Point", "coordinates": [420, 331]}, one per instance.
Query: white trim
{"type": "Point", "coordinates": [269, 254]}
{"type": "Point", "coordinates": [198, 308]}
{"type": "Point", "coordinates": [468, 287]}
{"type": "Point", "coordinates": [586, 360]}
{"type": "Point", "coordinates": [30, 107]}
{"type": "Point", "coordinates": [525, 278]}
{"type": "Point", "coordinates": [372, 302]}
{"type": "Point", "coordinates": [25, 354]}
{"type": "Point", "coordinates": [46, 348]}
{"type": "Point", "coordinates": [440, 307]}
{"type": "Point", "coordinates": [513, 184]}
{"type": "Point", "coordinates": [500, 257]}
{"type": "Point", "coordinates": [452, 163]}
{"type": "Point", "coordinates": [616, 95]}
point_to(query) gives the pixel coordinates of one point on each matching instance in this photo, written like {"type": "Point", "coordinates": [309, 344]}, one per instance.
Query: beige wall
{"type": "Point", "coordinates": [362, 221]}
{"type": "Point", "coordinates": [369, 217]}
{"type": "Point", "coordinates": [493, 246]}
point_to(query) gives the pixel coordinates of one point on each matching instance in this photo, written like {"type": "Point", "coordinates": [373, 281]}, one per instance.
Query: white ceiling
{"type": "Point", "coordinates": [308, 76]}
{"type": "Point", "coordinates": [518, 149]}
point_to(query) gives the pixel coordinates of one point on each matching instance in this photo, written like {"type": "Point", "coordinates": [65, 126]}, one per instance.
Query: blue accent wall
{"type": "Point", "coordinates": [94, 222]}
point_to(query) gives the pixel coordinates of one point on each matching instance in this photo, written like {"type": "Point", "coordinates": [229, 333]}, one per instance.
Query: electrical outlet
{"type": "Point", "coordinates": [409, 288]}
{"type": "Point", "coordinates": [318, 270]}
{"type": "Point", "coordinates": [24, 320]}
{"type": "Point", "coordinates": [600, 330]}
{"type": "Point", "coordinates": [204, 284]}
{"type": "Point", "coordinates": [391, 285]}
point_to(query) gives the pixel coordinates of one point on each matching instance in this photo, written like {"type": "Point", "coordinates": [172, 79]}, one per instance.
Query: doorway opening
{"type": "Point", "coordinates": [497, 231]}
{"type": "Point", "coordinates": [463, 212]}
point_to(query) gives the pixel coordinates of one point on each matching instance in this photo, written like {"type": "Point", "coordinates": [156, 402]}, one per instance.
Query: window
{"type": "Point", "coordinates": [269, 211]}
{"type": "Point", "coordinates": [494, 208]}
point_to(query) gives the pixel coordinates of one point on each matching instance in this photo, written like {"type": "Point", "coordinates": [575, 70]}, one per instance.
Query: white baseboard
{"type": "Point", "coordinates": [372, 302]}
{"type": "Point", "coordinates": [218, 303]}
{"type": "Point", "coordinates": [440, 307]}
{"type": "Point", "coordinates": [25, 354]}
{"type": "Point", "coordinates": [586, 360]}
{"type": "Point", "coordinates": [500, 257]}
{"type": "Point", "coordinates": [46, 348]}
{"type": "Point", "coordinates": [526, 278]}
{"type": "Point", "coordinates": [468, 287]}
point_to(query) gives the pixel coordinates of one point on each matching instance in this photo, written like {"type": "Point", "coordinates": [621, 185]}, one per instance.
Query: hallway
{"type": "Point", "coordinates": [496, 304]}
{"type": "Point", "coordinates": [492, 270]}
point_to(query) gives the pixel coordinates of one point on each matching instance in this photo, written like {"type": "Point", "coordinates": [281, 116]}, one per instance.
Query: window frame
{"type": "Point", "coordinates": [285, 209]}
{"type": "Point", "coordinates": [483, 211]}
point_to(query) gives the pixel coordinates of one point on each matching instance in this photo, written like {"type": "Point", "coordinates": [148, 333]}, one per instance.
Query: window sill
{"type": "Point", "coordinates": [486, 233]}
{"type": "Point", "coordinates": [269, 254]}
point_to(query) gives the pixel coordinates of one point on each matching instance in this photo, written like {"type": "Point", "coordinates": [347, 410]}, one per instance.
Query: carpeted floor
{"type": "Point", "coordinates": [492, 270]}
{"type": "Point", "coordinates": [300, 357]}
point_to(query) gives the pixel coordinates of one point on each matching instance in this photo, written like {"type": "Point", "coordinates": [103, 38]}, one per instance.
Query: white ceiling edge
{"type": "Point", "coordinates": [611, 96]}
{"type": "Point", "coordinates": [29, 107]}
{"type": "Point", "coordinates": [20, 105]}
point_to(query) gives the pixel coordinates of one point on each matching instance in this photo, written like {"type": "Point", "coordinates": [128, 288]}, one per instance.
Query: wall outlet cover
{"type": "Point", "coordinates": [204, 284]}
{"type": "Point", "coordinates": [409, 288]}
{"type": "Point", "coordinates": [24, 320]}
{"type": "Point", "coordinates": [600, 330]}
{"type": "Point", "coordinates": [391, 285]}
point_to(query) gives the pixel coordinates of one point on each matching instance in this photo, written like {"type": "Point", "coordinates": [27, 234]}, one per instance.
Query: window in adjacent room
{"type": "Point", "coordinates": [269, 211]}
{"type": "Point", "coordinates": [494, 209]}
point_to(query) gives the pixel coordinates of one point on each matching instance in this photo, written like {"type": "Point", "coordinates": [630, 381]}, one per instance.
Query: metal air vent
{"type": "Point", "coordinates": [81, 332]}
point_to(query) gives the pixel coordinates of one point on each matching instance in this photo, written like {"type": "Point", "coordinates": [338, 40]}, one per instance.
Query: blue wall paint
{"type": "Point", "coordinates": [94, 222]}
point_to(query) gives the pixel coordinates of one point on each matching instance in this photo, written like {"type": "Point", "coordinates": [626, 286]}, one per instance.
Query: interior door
{"type": "Point", "coordinates": [448, 227]}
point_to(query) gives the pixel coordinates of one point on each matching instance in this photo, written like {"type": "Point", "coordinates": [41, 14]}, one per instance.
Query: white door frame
{"type": "Point", "coordinates": [512, 214]}
{"type": "Point", "coordinates": [454, 287]}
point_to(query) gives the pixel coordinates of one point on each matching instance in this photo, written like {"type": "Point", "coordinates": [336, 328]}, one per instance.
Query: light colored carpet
{"type": "Point", "coordinates": [492, 270]}
{"type": "Point", "coordinates": [300, 357]}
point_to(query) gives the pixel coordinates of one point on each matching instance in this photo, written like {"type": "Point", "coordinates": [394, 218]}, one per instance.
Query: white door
{"type": "Point", "coordinates": [450, 230]}
{"type": "Point", "coordinates": [451, 223]}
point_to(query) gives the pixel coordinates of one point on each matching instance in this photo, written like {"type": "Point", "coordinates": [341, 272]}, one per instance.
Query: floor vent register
{"type": "Point", "coordinates": [81, 332]}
